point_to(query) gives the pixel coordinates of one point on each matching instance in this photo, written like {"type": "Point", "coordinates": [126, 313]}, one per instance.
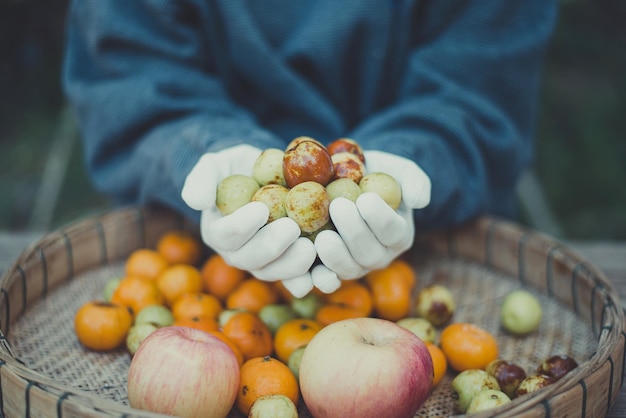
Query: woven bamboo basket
{"type": "Point", "coordinates": [45, 372]}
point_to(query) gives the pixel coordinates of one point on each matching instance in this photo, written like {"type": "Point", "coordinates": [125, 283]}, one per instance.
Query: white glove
{"type": "Point", "coordinates": [270, 252]}
{"type": "Point", "coordinates": [370, 234]}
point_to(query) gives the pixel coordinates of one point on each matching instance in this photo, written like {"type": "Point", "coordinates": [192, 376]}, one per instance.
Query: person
{"type": "Point", "coordinates": [173, 96]}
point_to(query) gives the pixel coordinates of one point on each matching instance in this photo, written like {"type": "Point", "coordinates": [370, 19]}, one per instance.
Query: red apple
{"type": "Point", "coordinates": [184, 372]}
{"type": "Point", "coordinates": [307, 161]}
{"type": "Point", "coordinates": [365, 367]}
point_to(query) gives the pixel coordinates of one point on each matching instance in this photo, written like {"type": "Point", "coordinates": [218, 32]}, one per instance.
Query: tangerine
{"type": "Point", "coordinates": [354, 295]}
{"type": "Point", "coordinates": [203, 323]}
{"type": "Point", "coordinates": [136, 293]}
{"type": "Point", "coordinates": [145, 263]}
{"type": "Point", "coordinates": [467, 346]}
{"type": "Point", "coordinates": [440, 364]}
{"type": "Point", "coordinates": [196, 304]}
{"type": "Point", "coordinates": [220, 278]}
{"type": "Point", "coordinates": [252, 294]}
{"type": "Point", "coordinates": [293, 334]}
{"type": "Point", "coordinates": [178, 279]}
{"type": "Point", "coordinates": [391, 295]}
{"type": "Point", "coordinates": [250, 333]}
{"type": "Point", "coordinates": [329, 313]}
{"type": "Point", "coordinates": [262, 376]}
{"type": "Point", "coordinates": [102, 326]}
{"type": "Point", "coordinates": [398, 267]}
{"type": "Point", "coordinates": [179, 247]}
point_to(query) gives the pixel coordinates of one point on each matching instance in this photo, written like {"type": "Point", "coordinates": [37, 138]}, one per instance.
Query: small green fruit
{"type": "Point", "coordinates": [137, 333]}
{"type": "Point", "coordinates": [487, 399]}
{"type": "Point", "coordinates": [109, 288]}
{"type": "Point", "coordinates": [155, 314]}
{"type": "Point", "coordinates": [294, 360]}
{"type": "Point", "coordinates": [307, 306]}
{"type": "Point", "coordinates": [275, 315]}
{"type": "Point", "coordinates": [273, 406]}
{"type": "Point", "coordinates": [520, 312]}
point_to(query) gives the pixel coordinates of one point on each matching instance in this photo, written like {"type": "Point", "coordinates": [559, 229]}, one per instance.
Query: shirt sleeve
{"type": "Point", "coordinates": [467, 104]}
{"type": "Point", "coordinates": [141, 78]}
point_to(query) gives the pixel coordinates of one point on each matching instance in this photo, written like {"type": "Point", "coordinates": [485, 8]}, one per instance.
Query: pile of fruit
{"type": "Point", "coordinates": [259, 336]}
{"type": "Point", "coordinates": [301, 181]}
{"type": "Point", "coordinates": [207, 338]}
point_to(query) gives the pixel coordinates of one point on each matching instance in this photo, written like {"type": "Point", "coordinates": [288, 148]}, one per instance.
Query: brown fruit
{"type": "Point", "coordinates": [307, 204]}
{"type": "Point", "coordinates": [557, 366]}
{"type": "Point", "coordinates": [435, 303]}
{"type": "Point", "coordinates": [346, 145]}
{"type": "Point", "coordinates": [533, 383]}
{"type": "Point", "coordinates": [347, 165]}
{"type": "Point", "coordinates": [509, 375]}
{"type": "Point", "coordinates": [307, 161]}
{"type": "Point", "coordinates": [299, 139]}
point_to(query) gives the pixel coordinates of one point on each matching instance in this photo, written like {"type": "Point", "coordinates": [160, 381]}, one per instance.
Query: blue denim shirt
{"type": "Point", "coordinates": [450, 84]}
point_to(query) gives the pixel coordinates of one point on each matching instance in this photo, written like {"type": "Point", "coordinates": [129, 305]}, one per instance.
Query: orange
{"type": "Point", "coordinates": [293, 334]}
{"type": "Point", "coordinates": [397, 267]}
{"type": "Point", "coordinates": [177, 280]}
{"type": "Point", "coordinates": [250, 333]}
{"type": "Point", "coordinates": [391, 294]}
{"type": "Point", "coordinates": [179, 247]}
{"type": "Point", "coordinates": [262, 376]}
{"type": "Point", "coordinates": [136, 293]}
{"type": "Point", "coordinates": [145, 263]}
{"type": "Point", "coordinates": [102, 326]}
{"type": "Point", "coordinates": [329, 313]}
{"type": "Point", "coordinates": [354, 295]}
{"type": "Point", "coordinates": [252, 294]}
{"type": "Point", "coordinates": [467, 346]}
{"type": "Point", "coordinates": [196, 304]}
{"type": "Point", "coordinates": [202, 323]}
{"type": "Point", "coordinates": [220, 278]}
{"type": "Point", "coordinates": [230, 343]}
{"type": "Point", "coordinates": [440, 364]}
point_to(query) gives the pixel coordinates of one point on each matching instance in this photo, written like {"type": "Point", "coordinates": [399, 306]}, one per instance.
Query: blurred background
{"type": "Point", "coordinates": [576, 189]}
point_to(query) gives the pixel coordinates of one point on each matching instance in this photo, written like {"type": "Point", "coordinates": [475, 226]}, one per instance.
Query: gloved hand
{"type": "Point", "coordinates": [270, 252]}
{"type": "Point", "coordinates": [370, 234]}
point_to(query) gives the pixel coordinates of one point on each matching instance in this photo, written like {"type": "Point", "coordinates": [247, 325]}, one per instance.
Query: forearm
{"type": "Point", "coordinates": [148, 105]}
{"type": "Point", "coordinates": [466, 104]}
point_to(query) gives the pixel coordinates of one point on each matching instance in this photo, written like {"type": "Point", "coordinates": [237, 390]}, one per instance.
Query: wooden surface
{"type": "Point", "coordinates": [610, 257]}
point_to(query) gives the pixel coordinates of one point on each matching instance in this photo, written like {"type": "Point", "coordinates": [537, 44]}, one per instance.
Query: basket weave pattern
{"type": "Point", "coordinates": [45, 372]}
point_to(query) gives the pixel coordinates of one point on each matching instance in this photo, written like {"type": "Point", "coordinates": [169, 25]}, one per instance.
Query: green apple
{"type": "Point", "coordinates": [520, 312]}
